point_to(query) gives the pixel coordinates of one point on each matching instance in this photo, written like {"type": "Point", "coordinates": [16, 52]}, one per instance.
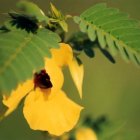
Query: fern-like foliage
{"type": "Point", "coordinates": [114, 30]}
{"type": "Point", "coordinates": [22, 54]}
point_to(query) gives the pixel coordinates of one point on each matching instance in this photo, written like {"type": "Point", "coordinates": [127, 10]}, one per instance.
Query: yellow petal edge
{"type": "Point", "coordinates": [85, 133]}
{"type": "Point", "coordinates": [77, 73]}
{"type": "Point", "coordinates": [56, 115]}
{"type": "Point", "coordinates": [16, 96]}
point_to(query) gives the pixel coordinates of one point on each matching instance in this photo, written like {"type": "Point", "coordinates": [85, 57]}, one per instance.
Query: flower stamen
{"type": "Point", "coordinates": [42, 80]}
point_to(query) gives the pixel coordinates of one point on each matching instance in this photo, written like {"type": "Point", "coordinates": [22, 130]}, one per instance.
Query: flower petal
{"type": "Point", "coordinates": [56, 115]}
{"type": "Point", "coordinates": [55, 73]}
{"type": "Point", "coordinates": [85, 134]}
{"type": "Point", "coordinates": [16, 96]}
{"type": "Point", "coordinates": [63, 55]}
{"type": "Point", "coordinates": [77, 73]}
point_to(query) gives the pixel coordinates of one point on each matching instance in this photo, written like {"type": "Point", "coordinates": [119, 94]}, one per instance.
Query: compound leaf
{"type": "Point", "coordinates": [22, 54]}
{"type": "Point", "coordinates": [114, 30]}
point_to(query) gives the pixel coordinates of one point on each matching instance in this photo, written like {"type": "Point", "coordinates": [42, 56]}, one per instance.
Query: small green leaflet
{"type": "Point", "coordinates": [114, 30]}
{"type": "Point", "coordinates": [22, 54]}
{"type": "Point", "coordinates": [58, 17]}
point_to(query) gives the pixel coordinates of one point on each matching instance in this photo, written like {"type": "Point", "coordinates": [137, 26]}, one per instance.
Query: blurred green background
{"type": "Point", "coordinates": [112, 90]}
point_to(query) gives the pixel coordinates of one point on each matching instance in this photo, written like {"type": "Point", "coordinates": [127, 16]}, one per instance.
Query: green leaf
{"type": "Point", "coordinates": [107, 55]}
{"type": "Point", "coordinates": [55, 11]}
{"type": "Point", "coordinates": [112, 48]}
{"type": "Point", "coordinates": [83, 26]}
{"type": "Point", "coordinates": [32, 9]}
{"type": "Point", "coordinates": [93, 9]}
{"type": "Point", "coordinates": [91, 33]}
{"type": "Point", "coordinates": [77, 19]}
{"type": "Point", "coordinates": [114, 30]}
{"type": "Point", "coordinates": [101, 38]}
{"type": "Point", "coordinates": [79, 61]}
{"type": "Point", "coordinates": [63, 25]}
{"type": "Point", "coordinates": [89, 52]}
{"type": "Point", "coordinates": [22, 54]}
{"type": "Point", "coordinates": [58, 17]}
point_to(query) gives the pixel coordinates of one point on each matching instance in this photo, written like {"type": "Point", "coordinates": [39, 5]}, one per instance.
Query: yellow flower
{"type": "Point", "coordinates": [76, 70]}
{"type": "Point", "coordinates": [85, 134]}
{"type": "Point", "coordinates": [77, 73]}
{"type": "Point", "coordinates": [46, 106]}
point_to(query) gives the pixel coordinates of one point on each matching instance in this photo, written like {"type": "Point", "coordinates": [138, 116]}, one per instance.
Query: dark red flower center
{"type": "Point", "coordinates": [42, 80]}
